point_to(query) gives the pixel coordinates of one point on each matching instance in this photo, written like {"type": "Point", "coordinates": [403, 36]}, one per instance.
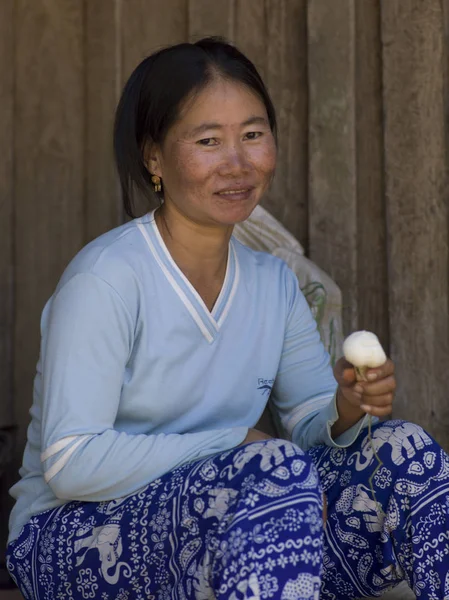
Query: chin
{"type": "Point", "coordinates": [233, 215]}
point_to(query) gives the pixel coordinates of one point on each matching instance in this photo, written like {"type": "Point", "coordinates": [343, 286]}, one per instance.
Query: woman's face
{"type": "Point", "coordinates": [219, 158]}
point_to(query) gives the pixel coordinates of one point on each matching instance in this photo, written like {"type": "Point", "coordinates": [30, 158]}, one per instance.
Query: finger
{"type": "Point", "coordinates": [377, 401]}
{"type": "Point", "coordinates": [377, 411]}
{"type": "Point", "coordinates": [344, 372]}
{"type": "Point", "coordinates": [381, 372]}
{"type": "Point", "coordinates": [378, 388]}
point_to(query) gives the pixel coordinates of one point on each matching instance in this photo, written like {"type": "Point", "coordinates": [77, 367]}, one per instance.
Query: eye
{"type": "Point", "coordinates": [207, 142]}
{"type": "Point", "coordinates": [253, 135]}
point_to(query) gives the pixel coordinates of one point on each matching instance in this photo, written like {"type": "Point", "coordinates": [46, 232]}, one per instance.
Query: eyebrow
{"type": "Point", "coordinates": [210, 125]}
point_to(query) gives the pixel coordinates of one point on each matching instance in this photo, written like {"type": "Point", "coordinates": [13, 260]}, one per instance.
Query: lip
{"type": "Point", "coordinates": [235, 195]}
{"type": "Point", "coordinates": [236, 187]}
{"type": "Point", "coordinates": [236, 192]}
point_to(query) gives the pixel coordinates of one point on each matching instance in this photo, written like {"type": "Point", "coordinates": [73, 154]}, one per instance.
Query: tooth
{"type": "Point", "coordinates": [233, 192]}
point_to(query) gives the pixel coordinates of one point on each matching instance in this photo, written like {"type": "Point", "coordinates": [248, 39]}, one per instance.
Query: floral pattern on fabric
{"type": "Point", "coordinates": [373, 543]}
{"type": "Point", "coordinates": [247, 525]}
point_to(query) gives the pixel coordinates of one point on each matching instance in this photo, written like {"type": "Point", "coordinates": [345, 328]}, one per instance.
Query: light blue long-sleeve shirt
{"type": "Point", "coordinates": [136, 376]}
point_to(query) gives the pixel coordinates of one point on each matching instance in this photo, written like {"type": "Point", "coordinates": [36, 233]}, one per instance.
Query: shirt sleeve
{"type": "Point", "coordinates": [304, 392]}
{"type": "Point", "coordinates": [88, 338]}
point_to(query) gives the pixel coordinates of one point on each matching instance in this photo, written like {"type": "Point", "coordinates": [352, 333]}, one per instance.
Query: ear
{"type": "Point", "coordinates": [152, 158]}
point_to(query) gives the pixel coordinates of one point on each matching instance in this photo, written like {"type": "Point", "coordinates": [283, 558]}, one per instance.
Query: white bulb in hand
{"type": "Point", "coordinates": [363, 350]}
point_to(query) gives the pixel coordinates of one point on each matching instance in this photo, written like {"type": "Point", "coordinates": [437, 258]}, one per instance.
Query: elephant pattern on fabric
{"type": "Point", "coordinates": [405, 437]}
{"type": "Point", "coordinates": [220, 501]}
{"type": "Point", "coordinates": [304, 587]}
{"type": "Point", "coordinates": [270, 533]}
{"type": "Point", "coordinates": [358, 498]}
{"type": "Point", "coordinates": [202, 579]}
{"type": "Point", "coordinates": [270, 451]}
{"type": "Point", "coordinates": [108, 541]}
{"type": "Point", "coordinates": [249, 589]}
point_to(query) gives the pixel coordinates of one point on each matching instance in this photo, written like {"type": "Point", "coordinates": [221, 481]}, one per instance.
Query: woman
{"type": "Point", "coordinates": [143, 476]}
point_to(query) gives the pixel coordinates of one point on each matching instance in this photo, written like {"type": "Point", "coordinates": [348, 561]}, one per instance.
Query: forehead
{"type": "Point", "coordinates": [224, 102]}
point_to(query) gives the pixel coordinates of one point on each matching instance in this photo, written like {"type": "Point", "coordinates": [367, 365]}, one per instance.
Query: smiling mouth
{"type": "Point", "coordinates": [234, 192]}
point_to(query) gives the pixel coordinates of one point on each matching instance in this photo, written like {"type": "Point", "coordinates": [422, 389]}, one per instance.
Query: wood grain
{"type": "Point", "coordinates": [332, 147]}
{"type": "Point", "coordinates": [6, 210]}
{"type": "Point", "coordinates": [250, 32]}
{"type": "Point", "coordinates": [372, 276]}
{"type": "Point", "coordinates": [207, 18]}
{"type": "Point", "coordinates": [286, 78]}
{"type": "Point", "coordinates": [49, 133]}
{"type": "Point", "coordinates": [414, 70]}
{"type": "Point", "coordinates": [6, 249]}
{"type": "Point", "coordinates": [103, 209]}
{"type": "Point", "coordinates": [147, 26]}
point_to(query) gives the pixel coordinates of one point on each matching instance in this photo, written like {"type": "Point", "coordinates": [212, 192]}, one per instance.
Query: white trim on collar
{"type": "Point", "coordinates": [193, 312]}
{"type": "Point", "coordinates": [209, 322]}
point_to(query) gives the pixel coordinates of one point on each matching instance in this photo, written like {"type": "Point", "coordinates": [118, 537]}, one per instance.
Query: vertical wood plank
{"type": "Point", "coordinates": [103, 209]}
{"type": "Point", "coordinates": [250, 32]}
{"type": "Point", "coordinates": [414, 59]}
{"type": "Point", "coordinates": [286, 78]}
{"type": "Point", "coordinates": [332, 162]}
{"type": "Point", "coordinates": [372, 276]}
{"type": "Point", "coordinates": [6, 209]}
{"type": "Point", "coordinates": [211, 18]}
{"type": "Point", "coordinates": [6, 247]}
{"type": "Point", "coordinates": [49, 132]}
{"type": "Point", "coordinates": [148, 25]}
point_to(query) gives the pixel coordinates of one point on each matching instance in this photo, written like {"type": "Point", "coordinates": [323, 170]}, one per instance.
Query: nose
{"type": "Point", "coordinates": [235, 160]}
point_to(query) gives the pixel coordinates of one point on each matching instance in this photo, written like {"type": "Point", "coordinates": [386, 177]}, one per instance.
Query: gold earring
{"type": "Point", "coordinates": [157, 183]}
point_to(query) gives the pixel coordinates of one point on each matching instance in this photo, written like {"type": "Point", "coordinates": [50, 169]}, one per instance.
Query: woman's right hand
{"type": "Point", "coordinates": [254, 435]}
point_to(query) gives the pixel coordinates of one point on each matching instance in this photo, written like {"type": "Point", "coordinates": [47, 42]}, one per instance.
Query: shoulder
{"type": "Point", "coordinates": [116, 257]}
{"type": "Point", "coordinates": [267, 268]}
{"type": "Point", "coordinates": [270, 280]}
{"type": "Point", "coordinates": [261, 262]}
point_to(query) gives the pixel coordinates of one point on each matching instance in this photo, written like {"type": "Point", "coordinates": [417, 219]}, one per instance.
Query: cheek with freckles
{"type": "Point", "coordinates": [264, 160]}
{"type": "Point", "coordinates": [191, 171]}
{"type": "Point", "coordinates": [189, 167]}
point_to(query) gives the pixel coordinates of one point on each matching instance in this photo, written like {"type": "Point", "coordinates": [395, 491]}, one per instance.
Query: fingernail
{"type": "Point", "coordinates": [371, 376]}
{"type": "Point", "coordinates": [358, 389]}
{"type": "Point", "coordinates": [365, 408]}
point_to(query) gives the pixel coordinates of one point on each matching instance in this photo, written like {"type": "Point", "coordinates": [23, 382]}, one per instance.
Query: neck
{"type": "Point", "coordinates": [200, 251]}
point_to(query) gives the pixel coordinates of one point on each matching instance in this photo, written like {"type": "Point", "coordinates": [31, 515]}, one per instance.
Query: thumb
{"type": "Point", "coordinates": [344, 373]}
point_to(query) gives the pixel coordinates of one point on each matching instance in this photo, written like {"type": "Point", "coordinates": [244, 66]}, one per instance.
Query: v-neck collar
{"type": "Point", "coordinates": [209, 322]}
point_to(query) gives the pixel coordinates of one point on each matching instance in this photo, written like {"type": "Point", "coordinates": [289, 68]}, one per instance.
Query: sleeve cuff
{"type": "Point", "coordinates": [316, 428]}
{"type": "Point", "coordinates": [350, 435]}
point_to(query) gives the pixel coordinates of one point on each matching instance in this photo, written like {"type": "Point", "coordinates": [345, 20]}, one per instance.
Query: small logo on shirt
{"type": "Point", "coordinates": [265, 386]}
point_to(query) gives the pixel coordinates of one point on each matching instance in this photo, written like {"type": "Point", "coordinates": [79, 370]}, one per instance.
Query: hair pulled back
{"type": "Point", "coordinates": [153, 97]}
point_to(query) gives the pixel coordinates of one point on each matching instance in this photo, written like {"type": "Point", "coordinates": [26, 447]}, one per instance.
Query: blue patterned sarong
{"type": "Point", "coordinates": [247, 525]}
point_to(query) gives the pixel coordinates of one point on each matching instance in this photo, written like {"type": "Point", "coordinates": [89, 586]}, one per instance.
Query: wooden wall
{"type": "Point", "coordinates": [360, 90]}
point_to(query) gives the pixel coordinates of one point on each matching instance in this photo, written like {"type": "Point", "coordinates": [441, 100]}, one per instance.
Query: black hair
{"type": "Point", "coordinates": [154, 94]}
